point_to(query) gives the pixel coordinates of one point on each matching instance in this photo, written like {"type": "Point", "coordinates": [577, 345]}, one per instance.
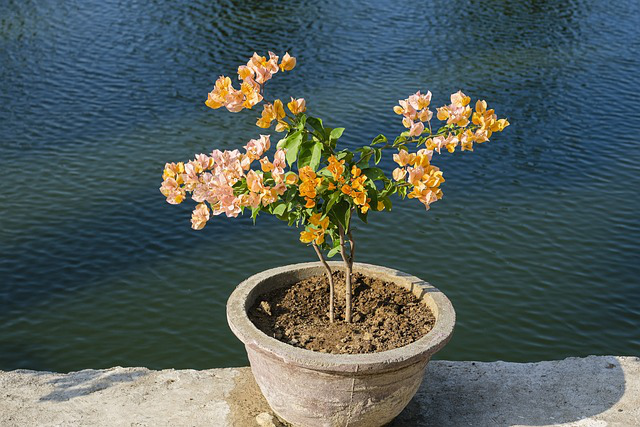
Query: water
{"type": "Point", "coordinates": [536, 241]}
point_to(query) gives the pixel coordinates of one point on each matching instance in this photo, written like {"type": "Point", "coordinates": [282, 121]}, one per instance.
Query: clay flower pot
{"type": "Point", "coordinates": [308, 388]}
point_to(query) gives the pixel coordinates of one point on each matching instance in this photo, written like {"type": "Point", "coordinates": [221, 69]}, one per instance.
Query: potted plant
{"type": "Point", "coordinates": [312, 183]}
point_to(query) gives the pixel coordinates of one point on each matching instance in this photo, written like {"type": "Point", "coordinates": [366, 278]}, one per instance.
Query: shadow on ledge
{"type": "Point", "coordinates": [506, 394]}
{"type": "Point", "coordinates": [85, 382]}
{"type": "Point", "coordinates": [494, 394]}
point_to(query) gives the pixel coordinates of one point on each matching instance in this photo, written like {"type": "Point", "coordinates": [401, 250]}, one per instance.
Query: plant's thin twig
{"type": "Point", "coordinates": [352, 250]}
{"type": "Point", "coordinates": [330, 277]}
{"type": "Point", "coordinates": [347, 275]}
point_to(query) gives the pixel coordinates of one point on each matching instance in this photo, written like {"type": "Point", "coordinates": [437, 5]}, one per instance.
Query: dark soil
{"type": "Point", "coordinates": [385, 316]}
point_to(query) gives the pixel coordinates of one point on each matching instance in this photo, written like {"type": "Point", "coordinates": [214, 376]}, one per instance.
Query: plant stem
{"type": "Point", "coordinates": [330, 277]}
{"type": "Point", "coordinates": [352, 244]}
{"type": "Point", "coordinates": [348, 262]}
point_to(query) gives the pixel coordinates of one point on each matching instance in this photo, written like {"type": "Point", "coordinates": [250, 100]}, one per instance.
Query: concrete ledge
{"type": "Point", "coordinates": [591, 391]}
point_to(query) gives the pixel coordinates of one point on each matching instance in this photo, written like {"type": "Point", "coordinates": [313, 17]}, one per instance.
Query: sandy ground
{"type": "Point", "coordinates": [593, 391]}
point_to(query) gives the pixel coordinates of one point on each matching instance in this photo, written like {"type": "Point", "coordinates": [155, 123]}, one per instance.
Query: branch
{"type": "Point", "coordinates": [330, 279]}
{"type": "Point", "coordinates": [321, 257]}
{"type": "Point", "coordinates": [342, 251]}
{"type": "Point", "coordinates": [352, 244]}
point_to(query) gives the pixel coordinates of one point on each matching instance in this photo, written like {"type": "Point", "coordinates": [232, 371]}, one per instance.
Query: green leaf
{"type": "Point", "coordinates": [332, 201]}
{"type": "Point", "coordinates": [336, 133]}
{"type": "Point", "coordinates": [342, 213]}
{"type": "Point", "coordinates": [365, 154]}
{"type": "Point", "coordinates": [389, 188]}
{"type": "Point", "coordinates": [280, 209]}
{"type": "Point", "coordinates": [316, 124]}
{"type": "Point", "coordinates": [254, 213]}
{"type": "Point", "coordinates": [387, 203]}
{"type": "Point", "coordinates": [283, 141]}
{"type": "Point", "coordinates": [374, 173]}
{"type": "Point", "coordinates": [302, 120]}
{"type": "Point", "coordinates": [399, 140]}
{"type": "Point", "coordinates": [292, 146]}
{"type": "Point", "coordinates": [333, 251]}
{"type": "Point", "coordinates": [288, 140]}
{"type": "Point", "coordinates": [240, 187]}
{"type": "Point", "coordinates": [362, 216]}
{"type": "Point", "coordinates": [345, 155]}
{"type": "Point", "coordinates": [324, 172]}
{"type": "Point", "coordinates": [322, 187]}
{"type": "Point", "coordinates": [291, 192]}
{"type": "Point", "coordinates": [380, 139]}
{"type": "Point", "coordinates": [372, 192]}
{"type": "Point", "coordinates": [304, 155]}
{"type": "Point", "coordinates": [316, 154]}
{"type": "Point", "coordinates": [377, 155]}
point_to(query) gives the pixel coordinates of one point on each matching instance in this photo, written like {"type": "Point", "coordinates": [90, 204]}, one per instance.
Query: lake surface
{"type": "Point", "coordinates": [536, 242]}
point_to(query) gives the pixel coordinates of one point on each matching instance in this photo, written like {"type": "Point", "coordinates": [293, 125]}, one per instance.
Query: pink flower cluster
{"type": "Point", "coordinates": [421, 175]}
{"type": "Point", "coordinates": [212, 178]}
{"type": "Point", "coordinates": [458, 111]}
{"type": "Point", "coordinates": [415, 111]}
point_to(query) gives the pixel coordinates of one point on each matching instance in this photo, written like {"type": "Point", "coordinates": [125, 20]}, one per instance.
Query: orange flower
{"type": "Point", "coordinates": [466, 140]}
{"type": "Point", "coordinates": [336, 167]}
{"type": "Point", "coordinates": [317, 220]}
{"type": "Point", "coordinates": [316, 229]}
{"type": "Point", "coordinates": [291, 178]}
{"type": "Point", "coordinates": [245, 72]}
{"type": "Point", "coordinates": [365, 207]}
{"type": "Point", "coordinates": [297, 106]}
{"type": "Point", "coordinates": [358, 183]}
{"type": "Point", "coordinates": [422, 158]}
{"type": "Point", "coordinates": [266, 165]}
{"type": "Point", "coordinates": [271, 112]}
{"type": "Point", "coordinates": [307, 188]}
{"type": "Point", "coordinates": [307, 236]}
{"type": "Point", "coordinates": [403, 158]}
{"type": "Point", "coordinates": [426, 185]}
{"type": "Point", "coordinates": [359, 197]}
{"type": "Point", "coordinates": [458, 111]}
{"type": "Point", "coordinates": [288, 62]}
{"type": "Point", "coordinates": [251, 92]}
{"type": "Point", "coordinates": [218, 96]}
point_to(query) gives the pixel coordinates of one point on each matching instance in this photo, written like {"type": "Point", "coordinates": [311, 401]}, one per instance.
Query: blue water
{"type": "Point", "coordinates": [536, 241]}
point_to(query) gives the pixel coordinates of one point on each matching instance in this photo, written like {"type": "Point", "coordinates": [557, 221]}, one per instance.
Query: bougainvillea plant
{"type": "Point", "coordinates": [310, 181]}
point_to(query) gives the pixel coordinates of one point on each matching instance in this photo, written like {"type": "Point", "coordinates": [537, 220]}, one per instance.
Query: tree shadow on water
{"type": "Point", "coordinates": [83, 383]}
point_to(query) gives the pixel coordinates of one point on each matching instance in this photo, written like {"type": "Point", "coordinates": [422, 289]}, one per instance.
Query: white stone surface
{"type": "Point", "coordinates": [581, 392]}
{"type": "Point", "coordinates": [115, 397]}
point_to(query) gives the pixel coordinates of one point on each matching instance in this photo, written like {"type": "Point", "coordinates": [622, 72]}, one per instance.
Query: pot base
{"type": "Point", "coordinates": [308, 388]}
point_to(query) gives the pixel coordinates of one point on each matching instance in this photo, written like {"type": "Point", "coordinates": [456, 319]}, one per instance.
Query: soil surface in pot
{"type": "Point", "coordinates": [385, 316]}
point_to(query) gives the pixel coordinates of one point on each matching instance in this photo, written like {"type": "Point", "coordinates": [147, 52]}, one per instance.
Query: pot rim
{"type": "Point", "coordinates": [396, 358]}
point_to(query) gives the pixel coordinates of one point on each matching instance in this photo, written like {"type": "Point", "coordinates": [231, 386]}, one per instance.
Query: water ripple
{"type": "Point", "coordinates": [536, 240]}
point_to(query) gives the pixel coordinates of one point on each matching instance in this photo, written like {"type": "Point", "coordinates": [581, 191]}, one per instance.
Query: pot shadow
{"type": "Point", "coordinates": [83, 383]}
{"type": "Point", "coordinates": [505, 394]}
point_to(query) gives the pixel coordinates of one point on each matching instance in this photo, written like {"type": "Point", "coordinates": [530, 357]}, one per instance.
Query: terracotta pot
{"type": "Point", "coordinates": [308, 388]}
